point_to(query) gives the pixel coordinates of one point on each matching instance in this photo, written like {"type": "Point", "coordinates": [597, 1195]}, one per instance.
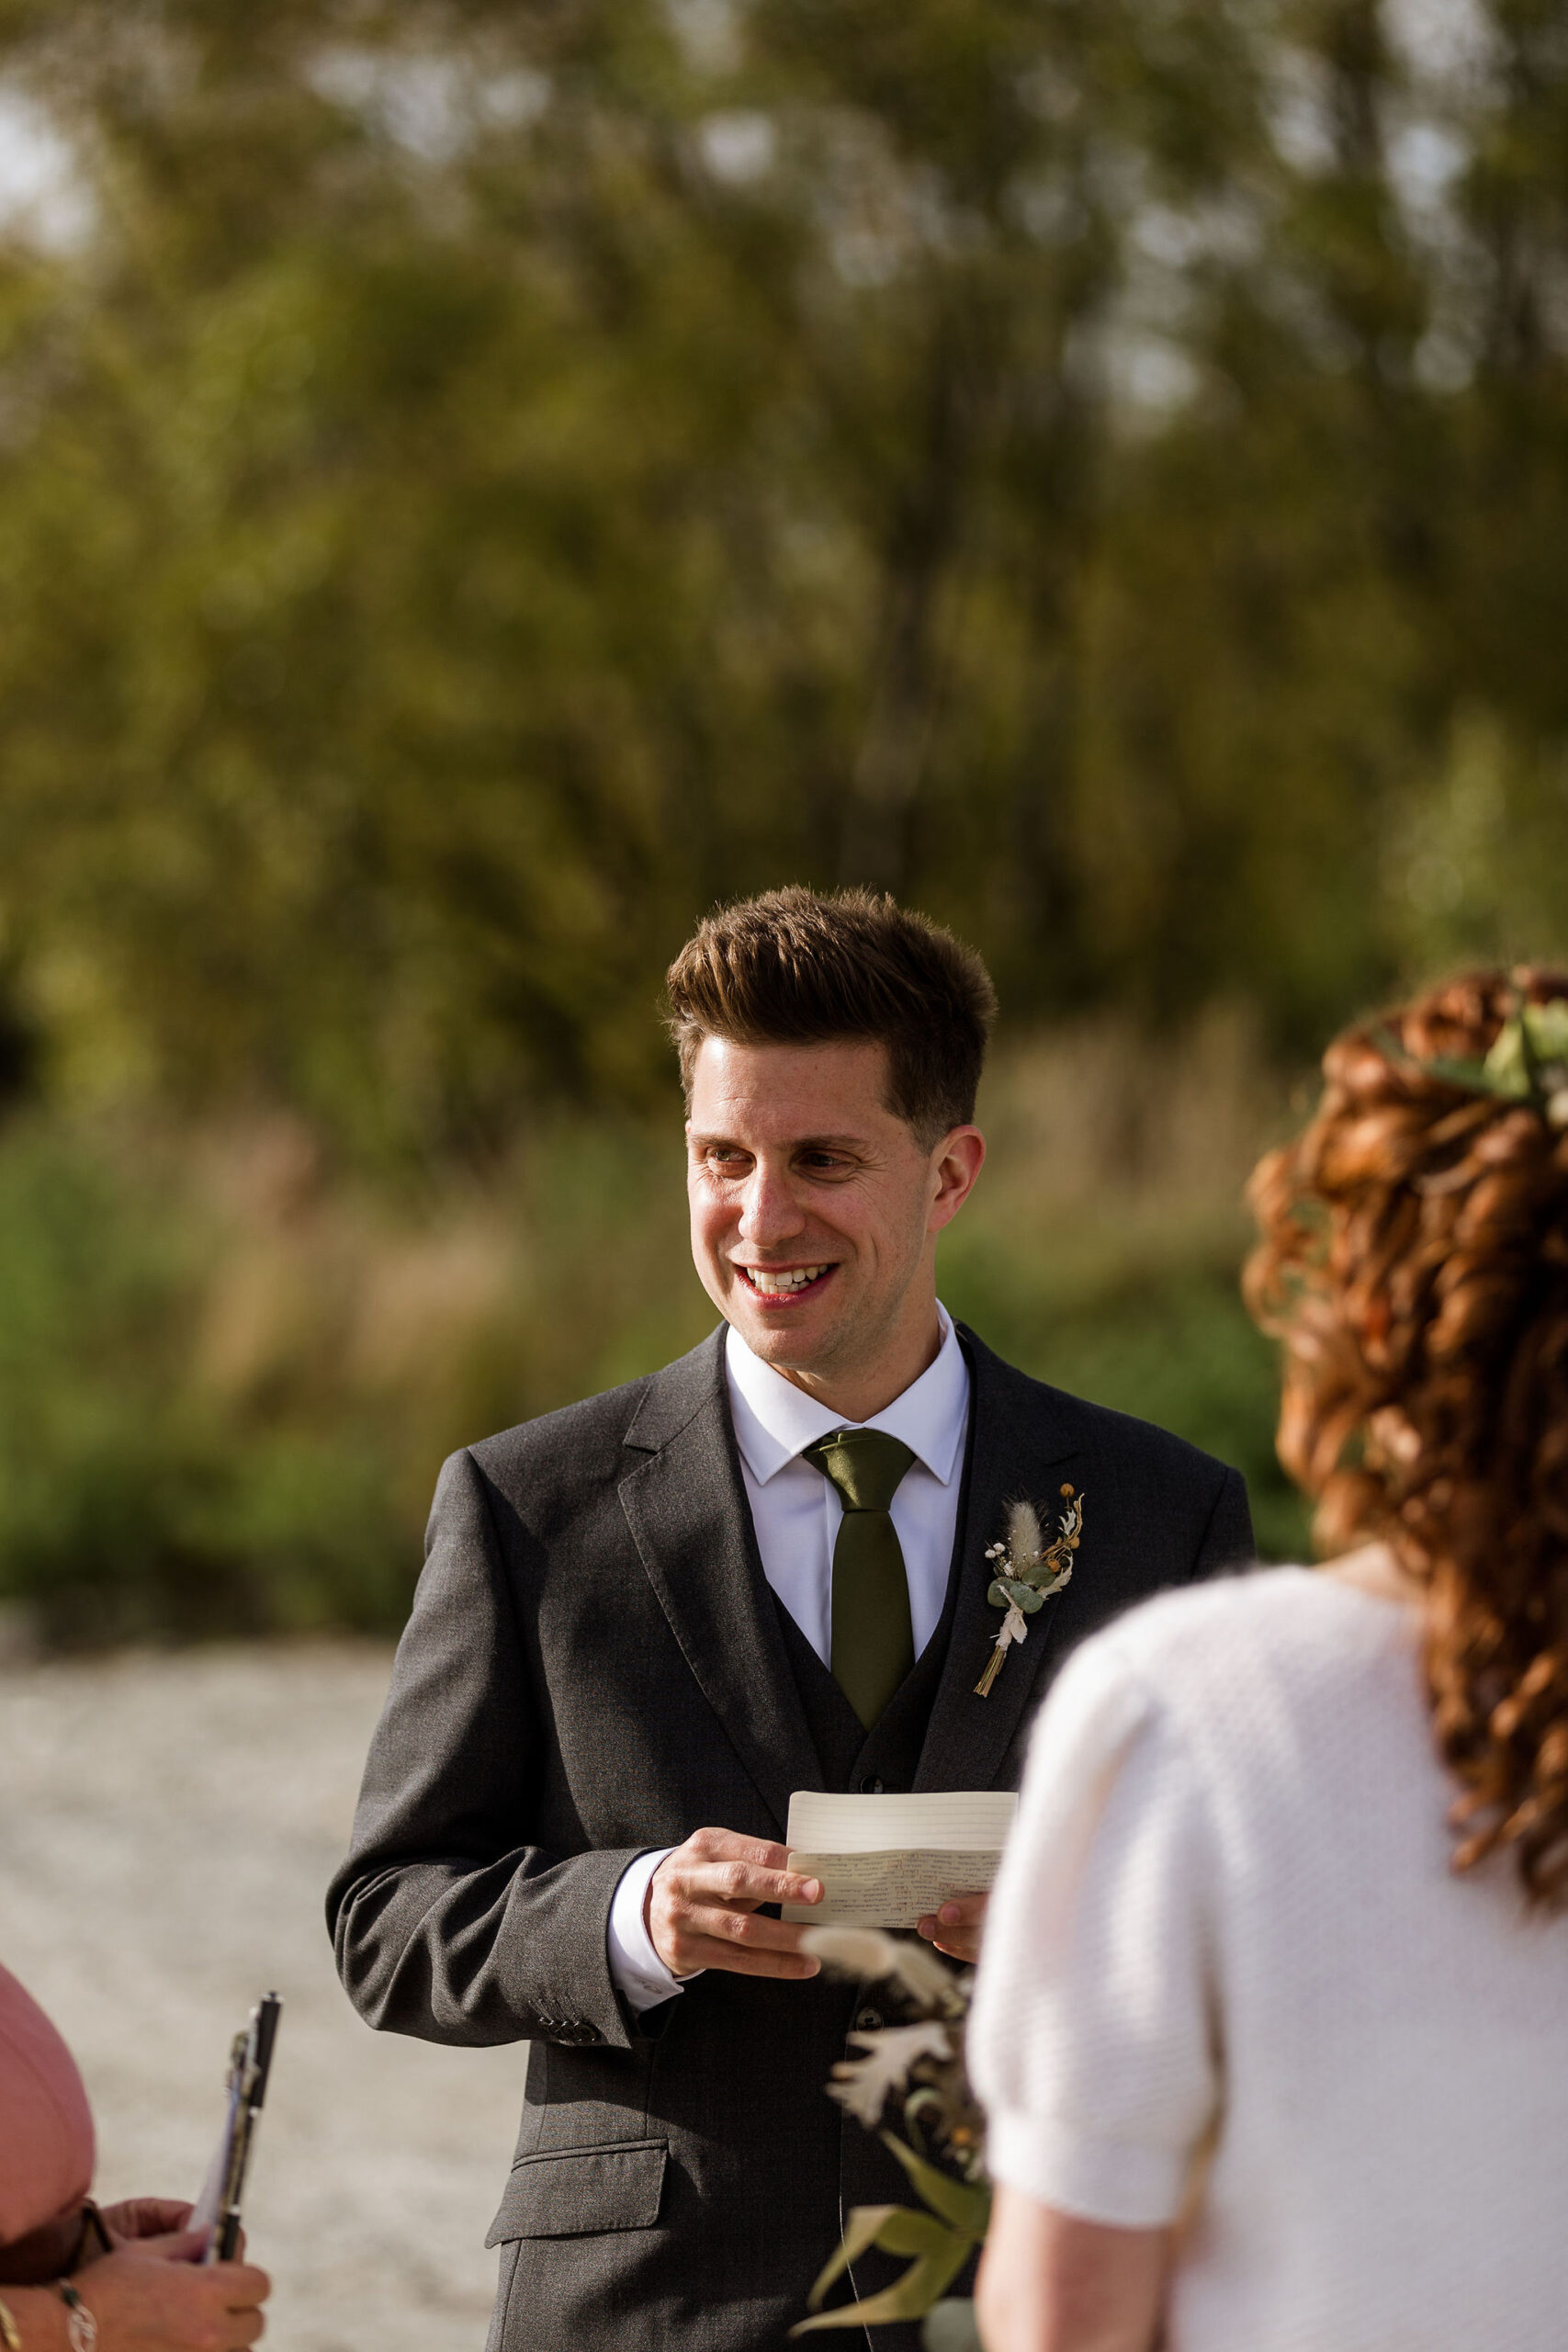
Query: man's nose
{"type": "Point", "coordinates": [770, 1213]}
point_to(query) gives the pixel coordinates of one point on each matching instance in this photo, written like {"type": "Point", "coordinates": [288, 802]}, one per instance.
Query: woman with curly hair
{"type": "Point", "coordinates": [1272, 2020]}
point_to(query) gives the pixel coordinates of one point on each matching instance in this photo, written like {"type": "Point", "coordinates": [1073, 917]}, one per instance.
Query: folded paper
{"type": "Point", "coordinates": [886, 1861]}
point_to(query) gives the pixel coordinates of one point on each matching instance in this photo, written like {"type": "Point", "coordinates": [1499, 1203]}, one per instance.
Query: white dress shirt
{"type": "Point", "coordinates": [795, 1511]}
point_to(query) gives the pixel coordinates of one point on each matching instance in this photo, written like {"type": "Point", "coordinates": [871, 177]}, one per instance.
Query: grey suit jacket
{"type": "Point", "coordinates": [595, 1665]}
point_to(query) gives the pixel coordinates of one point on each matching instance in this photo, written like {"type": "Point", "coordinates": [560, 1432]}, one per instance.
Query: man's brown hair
{"type": "Point", "coordinates": [800, 967]}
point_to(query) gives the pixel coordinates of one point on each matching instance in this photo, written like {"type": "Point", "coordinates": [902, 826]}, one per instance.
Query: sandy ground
{"type": "Point", "coordinates": [167, 1826]}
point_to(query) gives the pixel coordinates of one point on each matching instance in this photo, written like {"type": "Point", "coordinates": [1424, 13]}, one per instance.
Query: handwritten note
{"type": "Point", "coordinates": [886, 1861]}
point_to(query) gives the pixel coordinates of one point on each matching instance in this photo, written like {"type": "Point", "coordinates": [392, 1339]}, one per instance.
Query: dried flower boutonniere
{"type": "Point", "coordinates": [1030, 1571]}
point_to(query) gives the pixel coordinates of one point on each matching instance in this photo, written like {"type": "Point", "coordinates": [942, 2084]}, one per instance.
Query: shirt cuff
{"type": "Point", "coordinates": [638, 1973]}
{"type": "Point", "coordinates": [1126, 2183]}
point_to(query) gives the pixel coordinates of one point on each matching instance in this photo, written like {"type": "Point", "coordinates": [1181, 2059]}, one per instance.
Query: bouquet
{"type": "Point", "coordinates": [918, 2069]}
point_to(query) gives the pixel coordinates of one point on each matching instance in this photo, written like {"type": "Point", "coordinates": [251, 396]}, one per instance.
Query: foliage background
{"type": "Point", "coordinates": [479, 483]}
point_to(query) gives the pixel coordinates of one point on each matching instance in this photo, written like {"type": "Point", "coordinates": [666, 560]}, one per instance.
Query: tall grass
{"type": "Point", "coordinates": [1103, 1249]}
{"type": "Point", "coordinates": [227, 1377]}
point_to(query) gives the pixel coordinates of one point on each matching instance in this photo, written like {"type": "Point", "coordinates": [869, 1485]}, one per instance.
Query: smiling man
{"type": "Point", "coordinates": [645, 1621]}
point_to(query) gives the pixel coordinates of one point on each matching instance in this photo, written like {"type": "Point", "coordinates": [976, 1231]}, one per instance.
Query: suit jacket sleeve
{"type": "Point", "coordinates": [1228, 1540]}
{"type": "Point", "coordinates": [448, 1923]}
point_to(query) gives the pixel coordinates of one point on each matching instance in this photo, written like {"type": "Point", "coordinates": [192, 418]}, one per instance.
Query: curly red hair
{"type": "Point", "coordinates": [1414, 1260]}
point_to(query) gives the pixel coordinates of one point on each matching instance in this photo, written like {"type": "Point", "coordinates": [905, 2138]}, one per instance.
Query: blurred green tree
{"type": "Point", "coordinates": [478, 483]}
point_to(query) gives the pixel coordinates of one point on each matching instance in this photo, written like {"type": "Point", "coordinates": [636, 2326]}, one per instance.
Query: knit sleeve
{"type": "Point", "coordinates": [1090, 2042]}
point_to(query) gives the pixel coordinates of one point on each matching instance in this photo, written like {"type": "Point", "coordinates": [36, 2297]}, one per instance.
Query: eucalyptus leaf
{"type": "Point", "coordinates": [1506, 1070]}
{"type": "Point", "coordinates": [1023, 1596]}
{"type": "Point", "coordinates": [949, 2326]}
{"type": "Point", "coordinates": [1475, 1076]}
{"type": "Point", "coordinates": [1534, 1035]}
{"type": "Point", "coordinates": [1509, 1078]}
{"type": "Point", "coordinates": [968, 2208]}
{"type": "Point", "coordinates": [1548, 1027]}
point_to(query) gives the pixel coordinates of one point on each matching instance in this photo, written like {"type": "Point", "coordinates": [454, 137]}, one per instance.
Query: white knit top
{"type": "Point", "coordinates": [1227, 1910]}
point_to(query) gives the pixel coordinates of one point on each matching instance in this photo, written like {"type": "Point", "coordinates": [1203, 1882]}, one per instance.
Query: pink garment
{"type": "Point", "coordinates": [46, 2125]}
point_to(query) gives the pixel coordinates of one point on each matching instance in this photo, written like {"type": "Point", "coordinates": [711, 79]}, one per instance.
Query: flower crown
{"type": "Point", "coordinates": [1528, 1061]}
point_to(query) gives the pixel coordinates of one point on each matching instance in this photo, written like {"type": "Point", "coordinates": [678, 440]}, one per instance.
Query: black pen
{"type": "Point", "coordinates": [249, 2067]}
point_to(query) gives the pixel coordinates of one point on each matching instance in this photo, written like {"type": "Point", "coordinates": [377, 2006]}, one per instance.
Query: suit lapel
{"type": "Point", "coordinates": [1014, 1452]}
{"type": "Point", "coordinates": [686, 1507]}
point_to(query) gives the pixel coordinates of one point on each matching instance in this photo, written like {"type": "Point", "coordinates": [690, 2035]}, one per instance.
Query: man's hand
{"type": "Point", "coordinates": [703, 1901]}
{"type": "Point", "coordinates": [956, 1928]}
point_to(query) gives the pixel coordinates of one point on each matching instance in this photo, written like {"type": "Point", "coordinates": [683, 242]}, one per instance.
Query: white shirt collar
{"type": "Point", "coordinates": [775, 1419]}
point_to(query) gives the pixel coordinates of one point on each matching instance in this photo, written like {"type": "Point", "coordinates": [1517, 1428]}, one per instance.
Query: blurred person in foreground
{"type": "Point", "coordinates": [1273, 2021]}
{"type": "Point", "coordinates": [646, 1620]}
{"type": "Point", "coordinates": [76, 2279]}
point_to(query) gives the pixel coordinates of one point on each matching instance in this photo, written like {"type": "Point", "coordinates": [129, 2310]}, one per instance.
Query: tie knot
{"type": "Point", "coordinates": [865, 1465]}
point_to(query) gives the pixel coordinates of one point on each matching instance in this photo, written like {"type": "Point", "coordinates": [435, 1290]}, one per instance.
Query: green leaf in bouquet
{"type": "Point", "coordinates": [1023, 1596]}
{"type": "Point", "coordinates": [908, 2232]}
{"type": "Point", "coordinates": [909, 2297]}
{"type": "Point", "coordinates": [891, 2228]}
{"type": "Point", "coordinates": [859, 2231]}
{"type": "Point", "coordinates": [965, 2206]}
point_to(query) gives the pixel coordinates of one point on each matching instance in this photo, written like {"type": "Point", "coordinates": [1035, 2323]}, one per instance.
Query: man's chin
{"type": "Point", "coordinates": [794, 1340]}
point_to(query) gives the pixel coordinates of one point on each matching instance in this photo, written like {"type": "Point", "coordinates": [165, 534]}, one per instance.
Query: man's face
{"type": "Point", "coordinates": [815, 1211]}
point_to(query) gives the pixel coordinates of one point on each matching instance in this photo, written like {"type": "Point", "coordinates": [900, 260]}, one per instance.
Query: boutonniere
{"type": "Point", "coordinates": [1030, 1571]}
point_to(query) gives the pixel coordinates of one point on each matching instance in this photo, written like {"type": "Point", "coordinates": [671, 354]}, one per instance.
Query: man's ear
{"type": "Point", "coordinates": [955, 1163]}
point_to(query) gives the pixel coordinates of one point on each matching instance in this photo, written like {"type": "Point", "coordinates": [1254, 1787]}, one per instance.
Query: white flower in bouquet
{"type": "Point", "coordinates": [865, 2085]}
{"type": "Point", "coordinates": [871, 1951]}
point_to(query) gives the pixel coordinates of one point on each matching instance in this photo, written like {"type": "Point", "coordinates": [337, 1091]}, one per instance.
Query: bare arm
{"type": "Point", "coordinates": [1050, 2282]}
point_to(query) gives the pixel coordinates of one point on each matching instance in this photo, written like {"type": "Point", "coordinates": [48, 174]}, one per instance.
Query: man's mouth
{"type": "Point", "coordinates": [781, 1284]}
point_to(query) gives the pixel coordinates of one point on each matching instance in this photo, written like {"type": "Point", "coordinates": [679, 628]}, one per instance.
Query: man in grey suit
{"type": "Point", "coordinates": [646, 1620]}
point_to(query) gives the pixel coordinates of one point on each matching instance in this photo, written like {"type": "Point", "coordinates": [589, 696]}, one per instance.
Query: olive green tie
{"type": "Point", "coordinates": [873, 1640]}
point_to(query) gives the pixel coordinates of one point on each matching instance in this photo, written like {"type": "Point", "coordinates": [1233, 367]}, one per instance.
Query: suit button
{"type": "Point", "coordinates": [870, 1787]}
{"type": "Point", "coordinates": [868, 2021]}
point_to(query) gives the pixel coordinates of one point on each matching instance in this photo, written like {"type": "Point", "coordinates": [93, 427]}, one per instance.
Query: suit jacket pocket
{"type": "Point", "coordinates": [577, 2192]}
